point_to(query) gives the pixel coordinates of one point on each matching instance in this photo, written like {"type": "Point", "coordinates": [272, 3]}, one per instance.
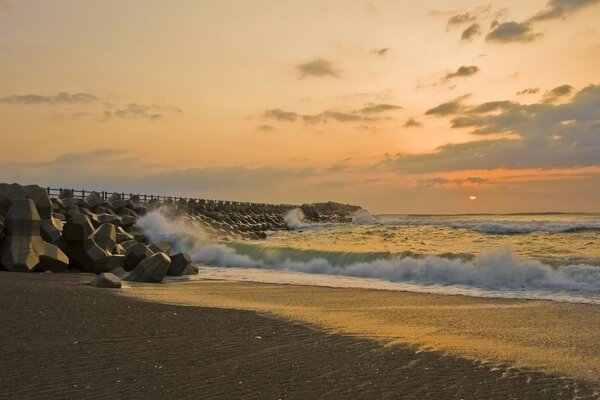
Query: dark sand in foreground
{"type": "Point", "coordinates": [63, 340]}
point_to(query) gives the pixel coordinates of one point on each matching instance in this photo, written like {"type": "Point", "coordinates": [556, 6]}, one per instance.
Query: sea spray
{"type": "Point", "coordinates": [182, 235]}
{"type": "Point", "coordinates": [294, 219]}
{"type": "Point", "coordinates": [363, 217]}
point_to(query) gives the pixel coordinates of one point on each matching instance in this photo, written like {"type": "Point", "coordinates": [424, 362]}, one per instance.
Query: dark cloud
{"type": "Point", "coordinates": [266, 128]}
{"type": "Point", "coordinates": [510, 32]}
{"type": "Point", "coordinates": [557, 93]}
{"type": "Point", "coordinates": [463, 71]}
{"type": "Point", "coordinates": [471, 32]}
{"type": "Point", "coordinates": [381, 52]}
{"type": "Point", "coordinates": [60, 98]}
{"type": "Point", "coordinates": [448, 108]}
{"type": "Point", "coordinates": [341, 117]}
{"type": "Point", "coordinates": [475, 180]}
{"type": "Point", "coordinates": [319, 67]}
{"type": "Point", "coordinates": [379, 108]}
{"type": "Point", "coordinates": [412, 123]}
{"type": "Point", "coordinates": [281, 115]}
{"type": "Point", "coordinates": [561, 8]}
{"type": "Point", "coordinates": [462, 19]}
{"type": "Point", "coordinates": [540, 135]}
{"type": "Point", "coordinates": [534, 90]}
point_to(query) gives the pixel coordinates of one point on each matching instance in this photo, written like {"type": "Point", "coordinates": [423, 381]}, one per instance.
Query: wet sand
{"type": "Point", "coordinates": [560, 338]}
{"type": "Point", "coordinates": [64, 340]}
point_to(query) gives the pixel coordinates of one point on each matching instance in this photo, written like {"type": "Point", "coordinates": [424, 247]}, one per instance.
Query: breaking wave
{"type": "Point", "coordinates": [294, 219]}
{"type": "Point", "coordinates": [499, 226]}
{"type": "Point", "coordinates": [498, 270]}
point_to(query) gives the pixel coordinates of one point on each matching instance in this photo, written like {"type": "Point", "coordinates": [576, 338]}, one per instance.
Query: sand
{"type": "Point", "coordinates": [560, 338]}
{"type": "Point", "coordinates": [64, 340]}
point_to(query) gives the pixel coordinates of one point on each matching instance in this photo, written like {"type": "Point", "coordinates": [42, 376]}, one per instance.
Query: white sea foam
{"type": "Point", "coordinates": [499, 226]}
{"type": "Point", "coordinates": [498, 271]}
{"type": "Point", "coordinates": [294, 219]}
{"type": "Point", "coordinates": [363, 217]}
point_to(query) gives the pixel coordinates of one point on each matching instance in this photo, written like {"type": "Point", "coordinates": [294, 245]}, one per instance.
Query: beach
{"type": "Point", "coordinates": [63, 339]}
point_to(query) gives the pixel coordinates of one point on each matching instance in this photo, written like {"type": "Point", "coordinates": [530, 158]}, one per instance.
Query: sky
{"type": "Point", "coordinates": [398, 106]}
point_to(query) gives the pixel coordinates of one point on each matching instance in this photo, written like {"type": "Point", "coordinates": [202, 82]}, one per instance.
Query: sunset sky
{"type": "Point", "coordinates": [398, 106]}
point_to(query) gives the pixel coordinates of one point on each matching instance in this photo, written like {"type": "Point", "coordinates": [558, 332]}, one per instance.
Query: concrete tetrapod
{"type": "Point", "coordinates": [151, 270]}
{"type": "Point", "coordinates": [24, 249]}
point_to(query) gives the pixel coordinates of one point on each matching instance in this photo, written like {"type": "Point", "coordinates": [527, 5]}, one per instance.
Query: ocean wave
{"type": "Point", "coordinates": [498, 270]}
{"type": "Point", "coordinates": [499, 226]}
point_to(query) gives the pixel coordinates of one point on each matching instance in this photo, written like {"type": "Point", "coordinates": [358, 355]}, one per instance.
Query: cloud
{"type": "Point", "coordinates": [540, 135]}
{"type": "Point", "coordinates": [526, 91]}
{"type": "Point", "coordinates": [561, 8]}
{"type": "Point", "coordinates": [379, 108]}
{"type": "Point", "coordinates": [448, 108]}
{"type": "Point", "coordinates": [471, 32]}
{"type": "Point", "coordinates": [140, 111]}
{"type": "Point", "coordinates": [463, 71]}
{"type": "Point", "coordinates": [510, 32]}
{"type": "Point", "coordinates": [266, 128]}
{"type": "Point", "coordinates": [281, 115]}
{"type": "Point", "coordinates": [557, 93]}
{"type": "Point", "coordinates": [381, 52]}
{"type": "Point", "coordinates": [412, 123]}
{"type": "Point", "coordinates": [432, 182]}
{"type": "Point", "coordinates": [461, 19]}
{"type": "Point", "coordinates": [60, 98]}
{"type": "Point", "coordinates": [319, 67]}
{"type": "Point", "coordinates": [365, 114]}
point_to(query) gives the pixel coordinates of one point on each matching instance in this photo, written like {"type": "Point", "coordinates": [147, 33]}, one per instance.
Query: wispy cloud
{"type": "Point", "coordinates": [319, 67]}
{"type": "Point", "coordinates": [266, 128]}
{"type": "Point", "coordinates": [59, 98]}
{"type": "Point", "coordinates": [378, 108]}
{"type": "Point", "coordinates": [561, 8]}
{"type": "Point", "coordinates": [557, 93]}
{"type": "Point", "coordinates": [447, 108]}
{"type": "Point", "coordinates": [471, 32]}
{"type": "Point", "coordinates": [462, 72]}
{"type": "Point", "coordinates": [527, 91]}
{"type": "Point", "coordinates": [510, 32]}
{"type": "Point", "coordinates": [381, 52]}
{"type": "Point", "coordinates": [412, 123]}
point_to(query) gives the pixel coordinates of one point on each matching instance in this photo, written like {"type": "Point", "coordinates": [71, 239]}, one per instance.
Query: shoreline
{"type": "Point", "coordinates": [559, 338]}
{"type": "Point", "coordinates": [66, 340]}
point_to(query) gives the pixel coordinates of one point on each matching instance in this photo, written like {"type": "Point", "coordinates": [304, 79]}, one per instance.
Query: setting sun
{"type": "Point", "coordinates": [472, 197]}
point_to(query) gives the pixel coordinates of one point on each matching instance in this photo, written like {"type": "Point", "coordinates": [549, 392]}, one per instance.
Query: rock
{"type": "Point", "coordinates": [120, 250]}
{"type": "Point", "coordinates": [106, 218]}
{"type": "Point", "coordinates": [94, 199]}
{"type": "Point", "coordinates": [106, 280]}
{"type": "Point", "coordinates": [127, 220]}
{"type": "Point", "coordinates": [51, 229]}
{"type": "Point", "coordinates": [128, 243]}
{"type": "Point", "coordinates": [66, 194]}
{"type": "Point", "coordinates": [134, 255]}
{"type": "Point", "coordinates": [105, 237]}
{"type": "Point", "coordinates": [23, 249]}
{"type": "Point", "coordinates": [41, 199]}
{"type": "Point", "coordinates": [78, 228]}
{"type": "Point", "coordinates": [123, 236]}
{"type": "Point", "coordinates": [161, 247]}
{"type": "Point", "coordinates": [181, 264]}
{"type": "Point", "coordinates": [53, 259]}
{"type": "Point", "coordinates": [109, 263]}
{"type": "Point", "coordinates": [114, 197]}
{"type": "Point", "coordinates": [151, 270]}
{"type": "Point", "coordinates": [8, 194]}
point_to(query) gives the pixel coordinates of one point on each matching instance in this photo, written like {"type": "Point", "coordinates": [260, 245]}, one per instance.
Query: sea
{"type": "Point", "coordinates": [546, 256]}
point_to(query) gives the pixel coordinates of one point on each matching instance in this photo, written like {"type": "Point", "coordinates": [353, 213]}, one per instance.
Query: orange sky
{"type": "Point", "coordinates": [396, 106]}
